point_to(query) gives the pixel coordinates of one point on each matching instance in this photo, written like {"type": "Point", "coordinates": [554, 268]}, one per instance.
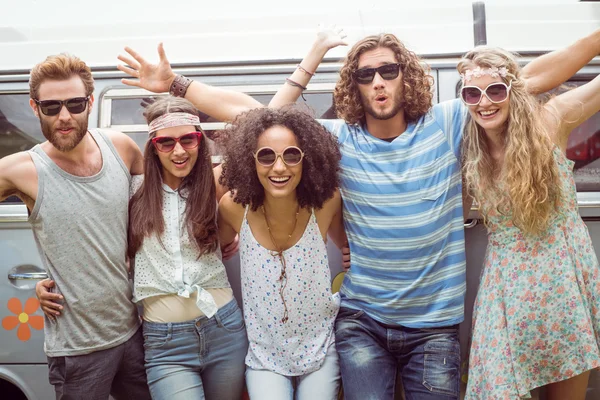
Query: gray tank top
{"type": "Point", "coordinates": [80, 226]}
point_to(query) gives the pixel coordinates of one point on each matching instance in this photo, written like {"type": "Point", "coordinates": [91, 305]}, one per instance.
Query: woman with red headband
{"type": "Point", "coordinates": [194, 336]}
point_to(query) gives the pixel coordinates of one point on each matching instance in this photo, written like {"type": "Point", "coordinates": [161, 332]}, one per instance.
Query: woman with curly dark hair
{"type": "Point", "coordinates": [282, 169]}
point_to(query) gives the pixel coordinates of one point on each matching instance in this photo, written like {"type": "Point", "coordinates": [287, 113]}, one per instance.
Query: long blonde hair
{"type": "Point", "coordinates": [530, 190]}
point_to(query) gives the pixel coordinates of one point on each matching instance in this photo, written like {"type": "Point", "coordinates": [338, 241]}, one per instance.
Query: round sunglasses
{"type": "Point", "coordinates": [76, 105]}
{"type": "Point", "coordinates": [290, 156]}
{"type": "Point", "coordinates": [495, 92]}
{"type": "Point", "coordinates": [166, 143]}
{"type": "Point", "coordinates": [387, 72]}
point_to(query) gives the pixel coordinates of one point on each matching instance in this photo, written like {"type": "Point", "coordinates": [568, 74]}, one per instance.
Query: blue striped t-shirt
{"type": "Point", "coordinates": [403, 216]}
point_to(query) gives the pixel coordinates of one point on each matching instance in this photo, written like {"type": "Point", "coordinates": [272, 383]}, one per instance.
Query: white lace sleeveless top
{"type": "Point", "coordinates": [299, 345]}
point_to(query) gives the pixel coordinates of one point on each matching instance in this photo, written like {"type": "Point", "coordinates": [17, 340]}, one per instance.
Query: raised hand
{"type": "Point", "coordinates": [331, 36]}
{"type": "Point", "coordinates": [156, 78]}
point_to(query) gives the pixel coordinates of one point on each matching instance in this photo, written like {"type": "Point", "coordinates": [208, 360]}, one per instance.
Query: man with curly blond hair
{"type": "Point", "coordinates": [403, 297]}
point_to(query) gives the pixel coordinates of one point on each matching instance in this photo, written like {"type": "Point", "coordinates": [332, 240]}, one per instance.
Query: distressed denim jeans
{"type": "Point", "coordinates": [372, 354]}
{"type": "Point", "coordinates": [199, 359]}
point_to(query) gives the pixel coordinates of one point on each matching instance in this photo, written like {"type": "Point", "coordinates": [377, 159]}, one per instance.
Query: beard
{"type": "Point", "coordinates": [69, 142]}
{"type": "Point", "coordinates": [397, 107]}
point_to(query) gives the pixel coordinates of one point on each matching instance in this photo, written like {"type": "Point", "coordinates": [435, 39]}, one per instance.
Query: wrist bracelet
{"type": "Point", "coordinates": [180, 86]}
{"type": "Point", "coordinates": [301, 68]}
{"type": "Point", "coordinates": [296, 84]}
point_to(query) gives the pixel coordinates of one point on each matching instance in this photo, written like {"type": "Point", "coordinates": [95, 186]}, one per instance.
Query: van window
{"type": "Point", "coordinates": [123, 108]}
{"type": "Point", "coordinates": [19, 127]}
{"type": "Point", "coordinates": [583, 147]}
{"type": "Point", "coordinates": [130, 111]}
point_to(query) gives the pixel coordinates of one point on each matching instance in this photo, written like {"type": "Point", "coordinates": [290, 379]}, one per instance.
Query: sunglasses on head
{"type": "Point", "coordinates": [166, 143]}
{"type": "Point", "coordinates": [387, 72]}
{"type": "Point", "coordinates": [291, 156]}
{"type": "Point", "coordinates": [76, 105]}
{"type": "Point", "coordinates": [495, 92]}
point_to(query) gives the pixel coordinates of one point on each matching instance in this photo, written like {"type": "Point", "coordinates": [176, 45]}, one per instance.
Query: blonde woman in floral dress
{"type": "Point", "coordinates": [536, 318]}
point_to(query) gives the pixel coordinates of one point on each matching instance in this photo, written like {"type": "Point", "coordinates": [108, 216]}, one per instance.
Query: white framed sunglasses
{"type": "Point", "coordinates": [291, 156]}
{"type": "Point", "coordinates": [496, 92]}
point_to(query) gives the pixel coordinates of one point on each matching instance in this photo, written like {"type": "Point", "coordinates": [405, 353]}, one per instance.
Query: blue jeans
{"type": "Point", "coordinates": [322, 384]}
{"type": "Point", "coordinates": [372, 354]}
{"type": "Point", "coordinates": [198, 359]}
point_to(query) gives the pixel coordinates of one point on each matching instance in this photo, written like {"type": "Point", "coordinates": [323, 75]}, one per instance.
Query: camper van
{"type": "Point", "coordinates": [253, 51]}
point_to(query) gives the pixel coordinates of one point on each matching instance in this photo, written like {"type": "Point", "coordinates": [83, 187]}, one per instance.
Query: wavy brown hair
{"type": "Point", "coordinates": [60, 67]}
{"type": "Point", "coordinates": [531, 190]}
{"type": "Point", "coordinates": [198, 188]}
{"type": "Point", "coordinates": [320, 164]}
{"type": "Point", "coordinates": [416, 80]}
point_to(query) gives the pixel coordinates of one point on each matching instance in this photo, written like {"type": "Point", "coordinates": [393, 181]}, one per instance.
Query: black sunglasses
{"type": "Point", "coordinates": [387, 72]}
{"type": "Point", "coordinates": [76, 105]}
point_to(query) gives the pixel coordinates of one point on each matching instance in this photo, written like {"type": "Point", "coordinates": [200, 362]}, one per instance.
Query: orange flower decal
{"type": "Point", "coordinates": [23, 317]}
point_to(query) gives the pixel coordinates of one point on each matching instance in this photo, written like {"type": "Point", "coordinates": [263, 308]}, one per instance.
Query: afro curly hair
{"type": "Point", "coordinates": [416, 80]}
{"type": "Point", "coordinates": [320, 164]}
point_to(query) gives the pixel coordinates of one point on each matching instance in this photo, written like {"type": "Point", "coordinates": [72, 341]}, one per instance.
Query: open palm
{"type": "Point", "coordinates": [331, 36]}
{"type": "Point", "coordinates": [156, 78]}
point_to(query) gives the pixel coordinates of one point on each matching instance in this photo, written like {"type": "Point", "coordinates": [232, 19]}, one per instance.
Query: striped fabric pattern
{"type": "Point", "coordinates": [403, 217]}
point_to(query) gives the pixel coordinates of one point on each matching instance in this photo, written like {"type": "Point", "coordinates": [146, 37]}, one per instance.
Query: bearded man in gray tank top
{"type": "Point", "coordinates": [92, 335]}
{"type": "Point", "coordinates": [95, 348]}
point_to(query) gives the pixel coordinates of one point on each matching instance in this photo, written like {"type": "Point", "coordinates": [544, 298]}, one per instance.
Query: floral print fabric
{"type": "Point", "coordinates": [299, 345]}
{"type": "Point", "coordinates": [536, 318]}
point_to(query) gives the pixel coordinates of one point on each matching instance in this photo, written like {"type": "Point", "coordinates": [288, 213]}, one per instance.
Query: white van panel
{"type": "Point", "coordinates": [194, 37]}
{"type": "Point", "coordinates": [539, 27]}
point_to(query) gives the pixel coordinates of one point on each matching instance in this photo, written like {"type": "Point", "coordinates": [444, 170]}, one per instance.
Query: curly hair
{"type": "Point", "coordinates": [530, 192]}
{"type": "Point", "coordinates": [416, 80]}
{"type": "Point", "coordinates": [320, 164]}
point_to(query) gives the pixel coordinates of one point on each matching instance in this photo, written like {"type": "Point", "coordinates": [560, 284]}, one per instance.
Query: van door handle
{"type": "Point", "coordinates": [28, 275]}
{"type": "Point", "coordinates": [470, 223]}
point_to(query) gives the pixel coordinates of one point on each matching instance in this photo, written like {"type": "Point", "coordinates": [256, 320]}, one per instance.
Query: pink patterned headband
{"type": "Point", "coordinates": [170, 120]}
{"type": "Point", "coordinates": [478, 72]}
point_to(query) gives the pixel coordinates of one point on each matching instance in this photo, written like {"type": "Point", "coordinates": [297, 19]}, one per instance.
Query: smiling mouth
{"type": "Point", "coordinates": [279, 180]}
{"type": "Point", "coordinates": [488, 113]}
{"type": "Point", "coordinates": [180, 163]}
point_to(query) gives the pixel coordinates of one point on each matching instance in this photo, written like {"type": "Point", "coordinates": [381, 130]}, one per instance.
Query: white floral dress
{"type": "Point", "coordinates": [536, 319]}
